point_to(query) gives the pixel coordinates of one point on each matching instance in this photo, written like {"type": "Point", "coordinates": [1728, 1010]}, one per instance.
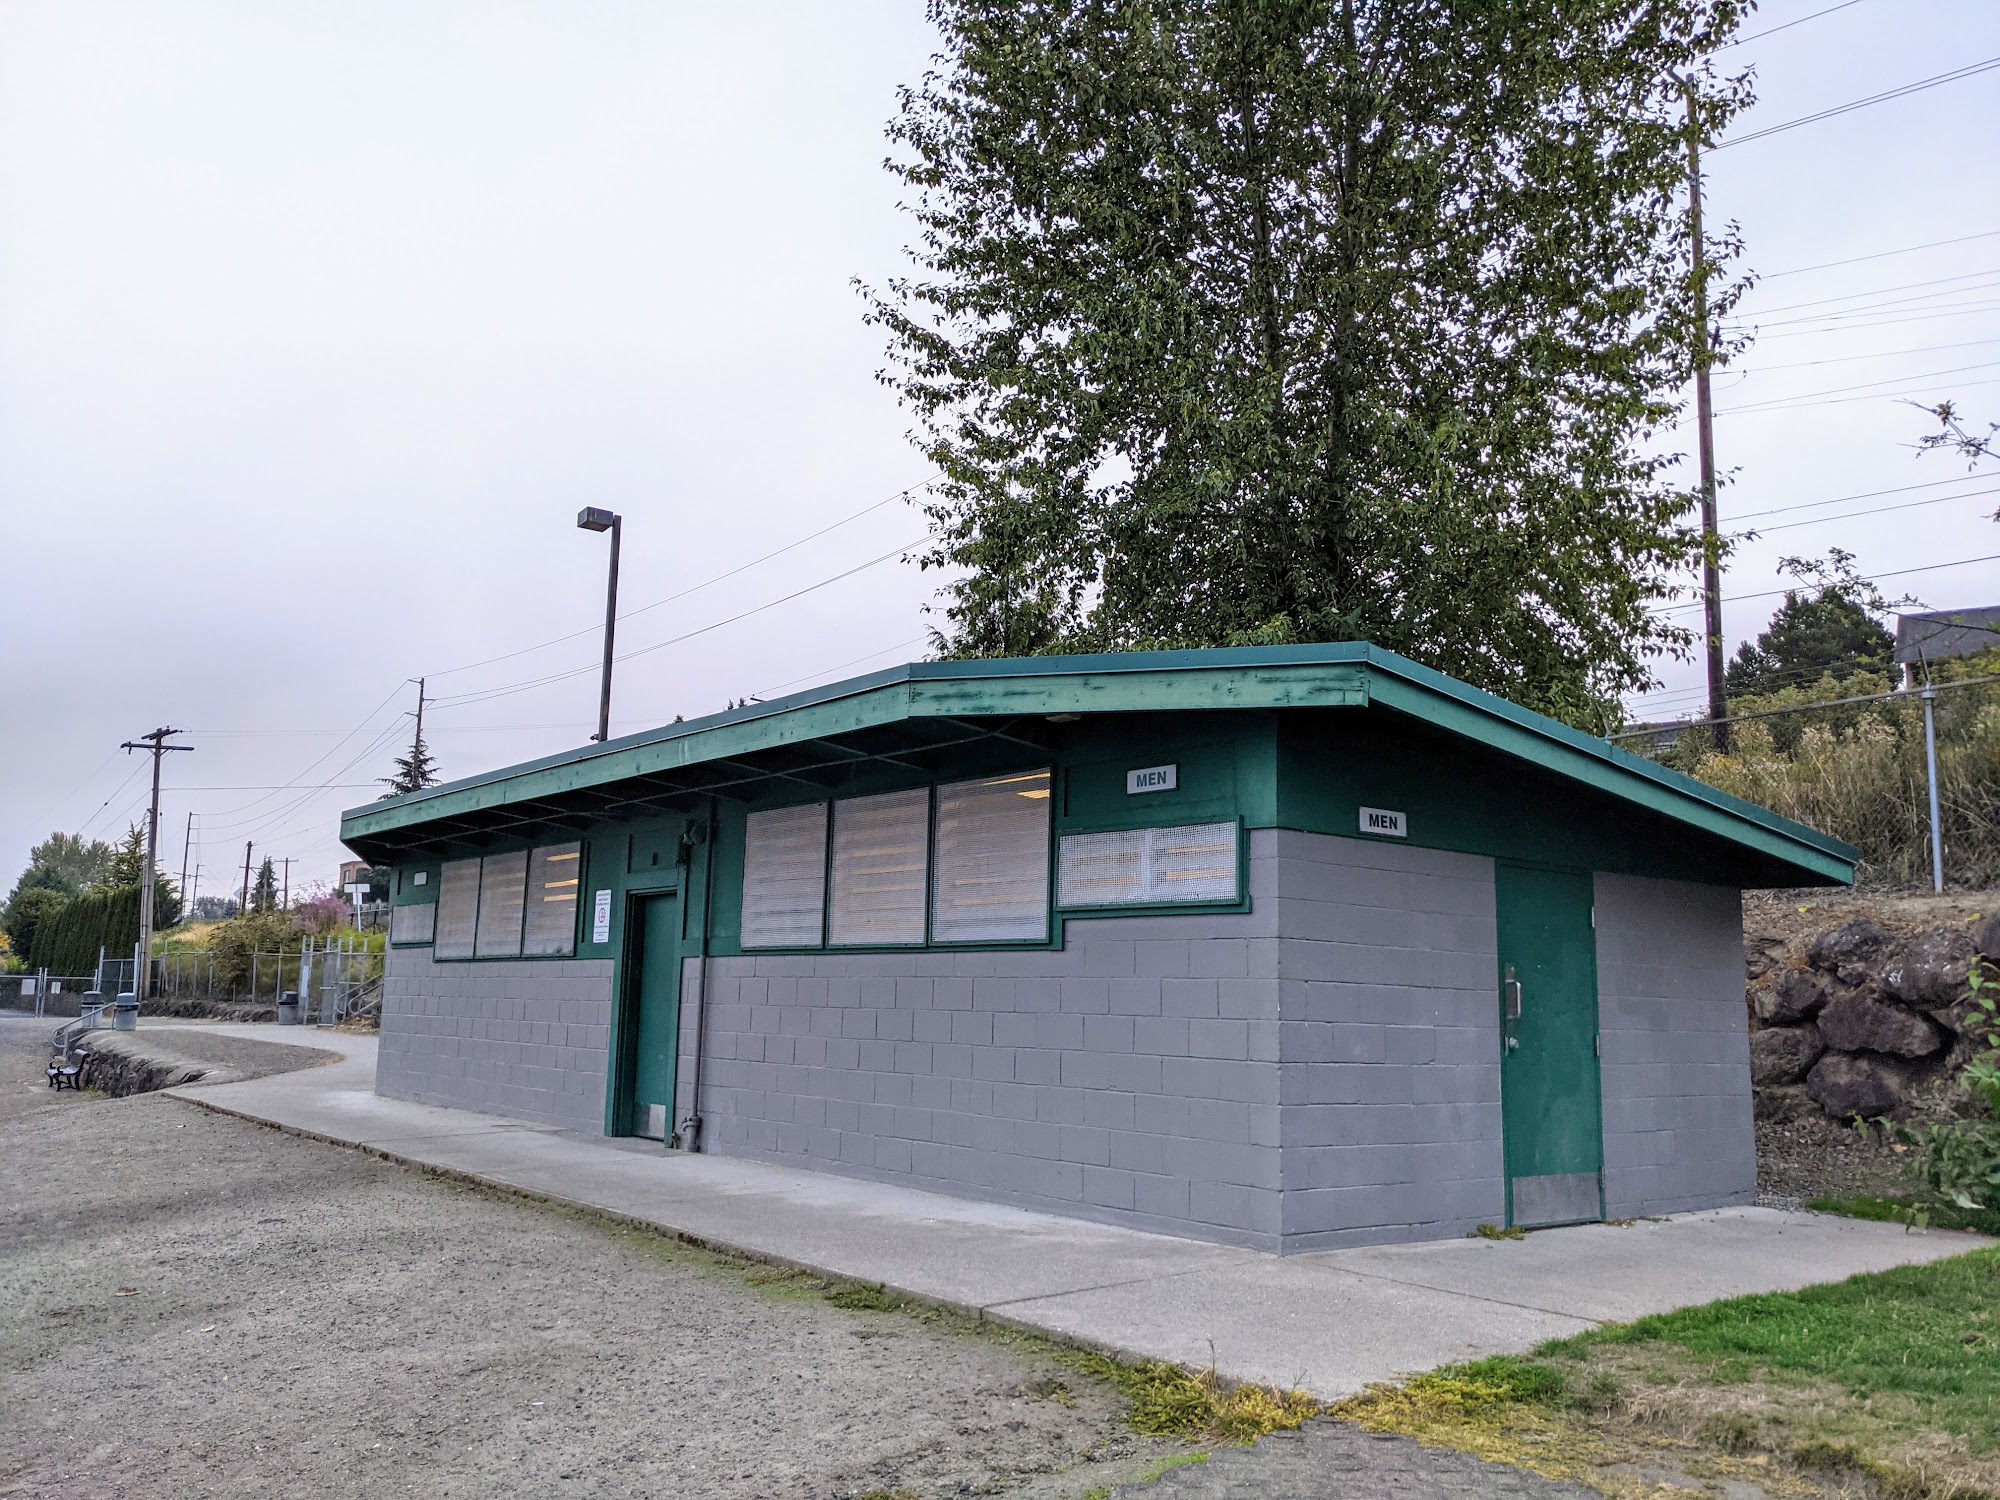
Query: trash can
{"type": "Point", "coordinates": [288, 1008]}
{"type": "Point", "coordinates": [125, 1015]}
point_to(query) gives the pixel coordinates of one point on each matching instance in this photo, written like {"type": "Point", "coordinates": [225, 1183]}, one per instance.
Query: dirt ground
{"type": "Point", "coordinates": [194, 1305]}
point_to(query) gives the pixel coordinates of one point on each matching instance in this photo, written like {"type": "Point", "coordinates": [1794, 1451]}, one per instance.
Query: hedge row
{"type": "Point", "coordinates": [68, 943]}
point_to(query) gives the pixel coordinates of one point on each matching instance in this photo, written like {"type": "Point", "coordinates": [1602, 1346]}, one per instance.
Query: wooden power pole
{"type": "Point", "coordinates": [156, 745]}
{"type": "Point", "coordinates": [1704, 412]}
{"type": "Point", "coordinates": [244, 911]}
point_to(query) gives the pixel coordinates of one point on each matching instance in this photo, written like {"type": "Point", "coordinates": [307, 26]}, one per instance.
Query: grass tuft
{"type": "Point", "coordinates": [1168, 1401]}
{"type": "Point", "coordinates": [1495, 1232]}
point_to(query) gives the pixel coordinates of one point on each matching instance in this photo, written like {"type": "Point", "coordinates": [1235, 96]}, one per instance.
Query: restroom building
{"type": "Point", "coordinates": [1287, 947]}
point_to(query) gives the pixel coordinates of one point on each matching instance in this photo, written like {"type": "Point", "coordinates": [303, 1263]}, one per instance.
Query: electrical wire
{"type": "Point", "coordinates": [1855, 260]}
{"type": "Point", "coordinates": [1765, 409]}
{"type": "Point", "coordinates": [1880, 291]}
{"type": "Point", "coordinates": [486, 695]}
{"type": "Point", "coordinates": [1841, 327]}
{"type": "Point", "coordinates": [1758, 36]}
{"type": "Point", "coordinates": [1962, 562]}
{"type": "Point", "coordinates": [914, 640]}
{"type": "Point", "coordinates": [1901, 489]}
{"type": "Point", "coordinates": [1874, 510]}
{"type": "Point", "coordinates": [691, 589]}
{"type": "Point", "coordinates": [1968, 71]}
{"type": "Point", "coordinates": [1835, 359]}
{"type": "Point", "coordinates": [1869, 385]}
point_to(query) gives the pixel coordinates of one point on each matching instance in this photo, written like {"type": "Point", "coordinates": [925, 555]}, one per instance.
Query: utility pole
{"type": "Point", "coordinates": [1704, 412]}
{"type": "Point", "coordinates": [187, 843]}
{"type": "Point", "coordinates": [285, 901]}
{"type": "Point", "coordinates": [244, 910]}
{"type": "Point", "coordinates": [156, 745]}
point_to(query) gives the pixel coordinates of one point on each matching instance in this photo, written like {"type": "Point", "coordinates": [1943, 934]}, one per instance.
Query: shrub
{"type": "Point", "coordinates": [1958, 1154]}
{"type": "Point", "coordinates": [69, 942]}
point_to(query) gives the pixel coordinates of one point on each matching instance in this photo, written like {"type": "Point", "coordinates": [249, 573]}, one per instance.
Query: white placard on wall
{"type": "Point", "coordinates": [600, 918]}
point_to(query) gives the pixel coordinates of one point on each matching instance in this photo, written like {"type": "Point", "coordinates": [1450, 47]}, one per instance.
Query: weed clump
{"type": "Point", "coordinates": [1168, 1401]}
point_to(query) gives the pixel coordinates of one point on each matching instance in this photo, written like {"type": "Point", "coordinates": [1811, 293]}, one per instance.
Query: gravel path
{"type": "Point", "coordinates": [192, 1304]}
{"type": "Point", "coordinates": [1333, 1461]}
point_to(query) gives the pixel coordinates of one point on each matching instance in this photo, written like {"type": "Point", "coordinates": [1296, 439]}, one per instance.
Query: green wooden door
{"type": "Point", "coordinates": [1550, 1090]}
{"type": "Point", "coordinates": [656, 998]}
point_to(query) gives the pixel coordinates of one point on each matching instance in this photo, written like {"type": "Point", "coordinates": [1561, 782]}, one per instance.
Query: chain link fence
{"type": "Point", "coordinates": [1858, 769]}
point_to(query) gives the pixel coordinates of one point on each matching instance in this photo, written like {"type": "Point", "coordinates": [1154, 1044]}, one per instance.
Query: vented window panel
{"type": "Point", "coordinates": [992, 858]}
{"type": "Point", "coordinates": [412, 924]}
{"type": "Point", "coordinates": [784, 877]}
{"type": "Point", "coordinates": [503, 885]}
{"type": "Point", "coordinates": [457, 909]}
{"type": "Point", "coordinates": [1191, 862]}
{"type": "Point", "coordinates": [880, 848]}
{"type": "Point", "coordinates": [554, 875]}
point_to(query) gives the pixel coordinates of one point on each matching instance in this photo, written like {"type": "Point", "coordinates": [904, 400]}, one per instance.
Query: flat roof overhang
{"type": "Point", "coordinates": [921, 714]}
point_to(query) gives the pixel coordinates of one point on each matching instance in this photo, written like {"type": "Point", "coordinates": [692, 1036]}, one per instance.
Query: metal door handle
{"type": "Point", "coordinates": [1511, 992]}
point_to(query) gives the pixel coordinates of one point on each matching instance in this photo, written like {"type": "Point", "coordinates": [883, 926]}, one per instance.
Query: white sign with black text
{"type": "Point", "coordinates": [600, 919]}
{"type": "Point", "coordinates": [1152, 779]}
{"type": "Point", "coordinates": [1383, 823]}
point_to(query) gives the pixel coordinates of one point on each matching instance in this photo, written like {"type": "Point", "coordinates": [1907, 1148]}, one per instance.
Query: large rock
{"type": "Point", "coordinates": [1856, 951]}
{"type": "Point", "coordinates": [1986, 937]}
{"type": "Point", "coordinates": [1795, 995]}
{"type": "Point", "coordinates": [1854, 1023]}
{"type": "Point", "coordinates": [1784, 1054]}
{"type": "Point", "coordinates": [1846, 1085]}
{"type": "Point", "coordinates": [1931, 972]}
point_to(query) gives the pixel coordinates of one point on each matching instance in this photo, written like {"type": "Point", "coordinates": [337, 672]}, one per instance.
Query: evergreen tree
{"type": "Point", "coordinates": [414, 771]}
{"type": "Point", "coordinates": [264, 894]}
{"type": "Point", "coordinates": [1824, 631]}
{"type": "Point", "coordinates": [127, 866]}
{"type": "Point", "coordinates": [1300, 320]}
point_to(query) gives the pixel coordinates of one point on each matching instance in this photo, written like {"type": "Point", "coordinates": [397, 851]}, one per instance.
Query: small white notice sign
{"type": "Point", "coordinates": [1152, 779]}
{"type": "Point", "coordinates": [600, 919]}
{"type": "Point", "coordinates": [1383, 823]}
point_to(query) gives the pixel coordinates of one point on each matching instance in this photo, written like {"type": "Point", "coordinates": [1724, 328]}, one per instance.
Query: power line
{"type": "Point", "coordinates": [1880, 291]}
{"type": "Point", "coordinates": [1841, 359]}
{"type": "Point", "coordinates": [1901, 489]}
{"type": "Point", "coordinates": [1758, 36]}
{"type": "Point", "coordinates": [1869, 385]}
{"type": "Point", "coordinates": [1962, 562]}
{"type": "Point", "coordinates": [1834, 325]}
{"type": "Point", "coordinates": [1873, 510]}
{"type": "Point", "coordinates": [692, 589]}
{"type": "Point", "coordinates": [1761, 409]}
{"type": "Point", "coordinates": [1855, 260]}
{"type": "Point", "coordinates": [1970, 70]}
{"type": "Point", "coordinates": [484, 695]}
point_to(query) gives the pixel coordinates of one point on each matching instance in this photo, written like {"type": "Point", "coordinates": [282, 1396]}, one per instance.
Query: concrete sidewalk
{"type": "Point", "coordinates": [1329, 1322]}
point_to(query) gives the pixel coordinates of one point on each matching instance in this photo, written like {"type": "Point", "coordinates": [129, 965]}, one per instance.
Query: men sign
{"type": "Point", "coordinates": [1383, 823]}
{"type": "Point", "coordinates": [1152, 779]}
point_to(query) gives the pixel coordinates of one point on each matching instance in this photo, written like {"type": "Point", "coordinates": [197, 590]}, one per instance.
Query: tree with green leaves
{"type": "Point", "coordinates": [1273, 320]}
{"type": "Point", "coordinates": [64, 862]}
{"type": "Point", "coordinates": [27, 912]}
{"type": "Point", "coordinates": [127, 867]}
{"type": "Point", "coordinates": [1826, 630]}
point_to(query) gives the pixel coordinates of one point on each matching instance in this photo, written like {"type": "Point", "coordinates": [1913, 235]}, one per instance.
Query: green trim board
{"type": "Point", "coordinates": [931, 714]}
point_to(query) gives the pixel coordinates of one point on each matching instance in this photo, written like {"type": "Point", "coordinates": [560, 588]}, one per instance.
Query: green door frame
{"type": "Point", "coordinates": [623, 1061]}
{"type": "Point", "coordinates": [1550, 1059]}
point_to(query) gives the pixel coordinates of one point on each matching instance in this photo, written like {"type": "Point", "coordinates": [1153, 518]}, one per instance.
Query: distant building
{"type": "Point", "coordinates": [1943, 634]}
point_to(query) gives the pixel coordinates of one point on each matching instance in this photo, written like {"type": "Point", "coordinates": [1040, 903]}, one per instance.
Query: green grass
{"type": "Point", "coordinates": [1899, 1211]}
{"type": "Point", "coordinates": [1928, 1333]}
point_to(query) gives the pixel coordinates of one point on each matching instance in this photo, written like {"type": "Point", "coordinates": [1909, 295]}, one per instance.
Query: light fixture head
{"type": "Point", "coordinates": [590, 518]}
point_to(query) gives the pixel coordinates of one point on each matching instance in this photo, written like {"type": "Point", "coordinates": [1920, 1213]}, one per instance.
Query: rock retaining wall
{"type": "Point", "coordinates": [1858, 1018]}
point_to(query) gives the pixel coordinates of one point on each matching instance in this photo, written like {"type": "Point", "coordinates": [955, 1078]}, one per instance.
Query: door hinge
{"type": "Point", "coordinates": [1593, 919]}
{"type": "Point", "coordinates": [1597, 1044]}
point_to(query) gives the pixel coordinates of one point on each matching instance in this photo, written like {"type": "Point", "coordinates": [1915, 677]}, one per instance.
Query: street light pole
{"type": "Point", "coordinates": [590, 518]}
{"type": "Point", "coordinates": [142, 969]}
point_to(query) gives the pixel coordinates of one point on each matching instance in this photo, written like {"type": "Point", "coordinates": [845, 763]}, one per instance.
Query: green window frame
{"type": "Point", "coordinates": [510, 905]}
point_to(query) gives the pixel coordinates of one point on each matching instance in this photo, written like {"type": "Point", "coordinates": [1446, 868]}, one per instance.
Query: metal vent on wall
{"type": "Point", "coordinates": [1186, 863]}
{"type": "Point", "coordinates": [880, 869]}
{"type": "Point", "coordinates": [457, 909]}
{"type": "Point", "coordinates": [412, 924]}
{"type": "Point", "coordinates": [993, 860]}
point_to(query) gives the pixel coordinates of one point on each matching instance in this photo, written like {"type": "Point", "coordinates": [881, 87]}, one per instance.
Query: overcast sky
{"type": "Point", "coordinates": [319, 323]}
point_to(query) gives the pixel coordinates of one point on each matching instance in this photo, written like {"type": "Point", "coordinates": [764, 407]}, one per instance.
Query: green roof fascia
{"type": "Point", "coordinates": [1134, 683]}
{"type": "Point", "coordinates": [1346, 674]}
{"type": "Point", "coordinates": [1398, 683]}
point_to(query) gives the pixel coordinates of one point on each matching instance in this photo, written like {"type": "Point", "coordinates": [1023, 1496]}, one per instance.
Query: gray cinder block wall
{"type": "Point", "coordinates": [1196, 1075]}
{"type": "Point", "coordinates": [527, 1038]}
{"type": "Point", "coordinates": [1677, 1112]}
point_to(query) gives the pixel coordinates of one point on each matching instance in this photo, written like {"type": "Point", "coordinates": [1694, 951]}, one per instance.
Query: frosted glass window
{"type": "Point", "coordinates": [1190, 862]}
{"type": "Point", "coordinates": [880, 865]}
{"type": "Point", "coordinates": [992, 860]}
{"type": "Point", "coordinates": [554, 876]}
{"type": "Point", "coordinates": [503, 883]}
{"type": "Point", "coordinates": [412, 924]}
{"type": "Point", "coordinates": [784, 877]}
{"type": "Point", "coordinates": [458, 908]}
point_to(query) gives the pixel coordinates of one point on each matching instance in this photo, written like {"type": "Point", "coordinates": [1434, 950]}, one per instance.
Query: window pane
{"type": "Point", "coordinates": [879, 847]}
{"type": "Point", "coordinates": [993, 860]}
{"type": "Point", "coordinates": [503, 882]}
{"type": "Point", "coordinates": [1148, 866]}
{"type": "Point", "coordinates": [554, 874]}
{"type": "Point", "coordinates": [411, 924]}
{"type": "Point", "coordinates": [458, 905]}
{"type": "Point", "coordinates": [784, 877]}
